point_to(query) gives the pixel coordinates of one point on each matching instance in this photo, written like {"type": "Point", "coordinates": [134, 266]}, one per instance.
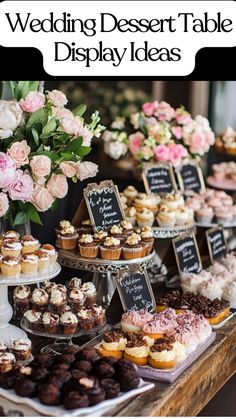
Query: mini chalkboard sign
{"type": "Point", "coordinates": [216, 243]}
{"type": "Point", "coordinates": [103, 203]}
{"type": "Point", "coordinates": [187, 254]}
{"type": "Point", "coordinates": [191, 178]}
{"type": "Point", "coordinates": [158, 178]}
{"type": "Point", "coordinates": [134, 289]}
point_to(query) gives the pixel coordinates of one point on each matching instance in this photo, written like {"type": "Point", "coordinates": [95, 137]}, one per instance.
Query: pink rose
{"type": "Point", "coordinates": [182, 116]}
{"type": "Point", "coordinates": [41, 166]}
{"type": "Point", "coordinates": [150, 107]}
{"type": "Point", "coordinates": [165, 112]}
{"type": "Point", "coordinates": [58, 186]}
{"type": "Point", "coordinates": [162, 153]}
{"type": "Point", "coordinates": [21, 188]}
{"type": "Point", "coordinates": [57, 98]}
{"type": "Point", "coordinates": [86, 169]}
{"type": "Point", "coordinates": [68, 168]}
{"type": "Point", "coordinates": [177, 131]}
{"type": "Point", "coordinates": [33, 102]}
{"type": "Point", "coordinates": [4, 204]}
{"type": "Point", "coordinates": [87, 136]}
{"type": "Point", "coordinates": [197, 143]}
{"type": "Point", "coordinates": [7, 170]}
{"type": "Point", "coordinates": [42, 199]}
{"type": "Point", "coordinates": [19, 152]}
{"type": "Point", "coordinates": [176, 153]}
{"type": "Point", "coordinates": [72, 125]}
{"type": "Point", "coordinates": [210, 138]}
{"type": "Point", "coordinates": [135, 142]}
{"type": "Point", "coordinates": [61, 113]}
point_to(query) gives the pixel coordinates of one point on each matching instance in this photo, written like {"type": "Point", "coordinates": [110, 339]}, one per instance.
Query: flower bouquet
{"type": "Point", "coordinates": [159, 133]}
{"type": "Point", "coordinates": [42, 144]}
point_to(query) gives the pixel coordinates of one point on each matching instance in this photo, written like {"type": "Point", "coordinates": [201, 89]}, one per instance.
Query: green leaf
{"type": "Point", "coordinates": [35, 136]}
{"type": "Point", "coordinates": [22, 89]}
{"type": "Point", "coordinates": [79, 110]}
{"type": "Point", "coordinates": [67, 156]}
{"type": "Point", "coordinates": [83, 151]}
{"type": "Point", "coordinates": [11, 85]}
{"type": "Point", "coordinates": [55, 206]}
{"type": "Point", "coordinates": [33, 215]}
{"type": "Point", "coordinates": [36, 117]}
{"type": "Point", "coordinates": [21, 218]}
{"type": "Point", "coordinates": [49, 128]}
{"type": "Point", "coordinates": [75, 144]}
{"type": "Point", "coordinates": [51, 154]}
{"type": "Point", "coordinates": [33, 86]}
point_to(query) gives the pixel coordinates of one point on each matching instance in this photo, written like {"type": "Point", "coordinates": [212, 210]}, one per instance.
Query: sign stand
{"type": "Point", "coordinates": [216, 242]}
{"type": "Point", "coordinates": [187, 254]}
{"type": "Point", "coordinates": [159, 178]}
{"type": "Point", "coordinates": [190, 177]}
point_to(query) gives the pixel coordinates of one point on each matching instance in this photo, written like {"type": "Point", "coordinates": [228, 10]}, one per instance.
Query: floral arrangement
{"type": "Point", "coordinates": [159, 133]}
{"type": "Point", "coordinates": [42, 144]}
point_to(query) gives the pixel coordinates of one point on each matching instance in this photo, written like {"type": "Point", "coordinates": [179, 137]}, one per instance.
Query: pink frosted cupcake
{"type": "Point", "coordinates": [158, 326]}
{"type": "Point", "coordinates": [224, 215]}
{"type": "Point", "coordinates": [205, 215]}
{"type": "Point", "coordinates": [218, 172]}
{"type": "Point", "coordinates": [133, 321]}
{"type": "Point", "coordinates": [186, 336]}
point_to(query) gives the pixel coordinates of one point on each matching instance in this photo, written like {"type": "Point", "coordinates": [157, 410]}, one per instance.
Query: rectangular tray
{"type": "Point", "coordinates": [171, 375]}
{"type": "Point", "coordinates": [29, 406]}
{"type": "Point", "coordinates": [221, 324]}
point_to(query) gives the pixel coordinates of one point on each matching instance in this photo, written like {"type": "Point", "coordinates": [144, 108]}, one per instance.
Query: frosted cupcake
{"type": "Point", "coordinates": [68, 236]}
{"type": "Point", "coordinates": [229, 293]}
{"type": "Point", "coordinates": [130, 192]}
{"type": "Point", "coordinates": [34, 319]}
{"type": "Point", "coordinates": [40, 299]}
{"type": "Point", "coordinates": [7, 362]}
{"type": "Point", "coordinates": [224, 215]}
{"type": "Point", "coordinates": [133, 248]}
{"type": "Point", "coordinates": [133, 321]}
{"type": "Point", "coordinates": [11, 247]}
{"type": "Point", "coordinates": [145, 218]}
{"type": "Point", "coordinates": [50, 322]}
{"type": "Point", "coordinates": [21, 296]}
{"type": "Point", "coordinates": [211, 289]}
{"type": "Point", "coordinates": [21, 349]}
{"type": "Point", "coordinates": [136, 350]}
{"type": "Point", "coordinates": [205, 215]}
{"type": "Point", "coordinates": [166, 218]}
{"type": "Point", "coordinates": [147, 238]}
{"type": "Point", "coordinates": [88, 247]}
{"type": "Point", "coordinates": [130, 215]}
{"type": "Point", "coordinates": [182, 216]}
{"type": "Point", "coordinates": [100, 236]}
{"type": "Point", "coordinates": [111, 248]}
{"type": "Point", "coordinates": [11, 234]}
{"type": "Point", "coordinates": [29, 244]}
{"type": "Point", "coordinates": [117, 231]}
{"type": "Point", "coordinates": [11, 267]}
{"type": "Point", "coordinates": [68, 322]}
{"type": "Point", "coordinates": [29, 263]}
{"type": "Point", "coordinates": [58, 301]}
{"type": "Point", "coordinates": [186, 336]}
{"type": "Point", "coordinates": [44, 260]}
{"type": "Point", "coordinates": [173, 201]}
{"type": "Point", "coordinates": [127, 228]}
{"type": "Point", "coordinates": [190, 282]}
{"type": "Point", "coordinates": [162, 354]}
{"type": "Point", "coordinates": [51, 251]}
{"type": "Point", "coordinates": [113, 343]}
{"type": "Point", "coordinates": [76, 299]}
{"type": "Point", "coordinates": [74, 283]}
{"type": "Point", "coordinates": [90, 293]}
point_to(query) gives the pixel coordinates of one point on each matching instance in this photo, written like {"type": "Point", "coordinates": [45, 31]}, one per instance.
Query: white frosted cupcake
{"type": "Point", "coordinates": [229, 293]}
{"type": "Point", "coordinates": [166, 218]}
{"type": "Point", "coordinates": [133, 247]}
{"type": "Point", "coordinates": [29, 263]}
{"type": "Point", "coordinates": [145, 218]}
{"type": "Point", "coordinates": [11, 247]}
{"type": "Point", "coordinates": [182, 216]}
{"type": "Point", "coordinates": [130, 215]}
{"type": "Point", "coordinates": [51, 251]}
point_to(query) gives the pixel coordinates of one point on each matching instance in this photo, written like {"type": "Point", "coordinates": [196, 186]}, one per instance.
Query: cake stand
{"type": "Point", "coordinates": [103, 270]}
{"type": "Point", "coordinates": [8, 331]}
{"type": "Point", "coordinates": [61, 341]}
{"type": "Point", "coordinates": [227, 185]}
{"type": "Point", "coordinates": [172, 232]}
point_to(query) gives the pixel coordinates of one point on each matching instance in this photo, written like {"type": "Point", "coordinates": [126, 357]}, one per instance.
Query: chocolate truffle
{"type": "Point", "coordinates": [66, 358]}
{"type": "Point", "coordinates": [96, 395]}
{"type": "Point", "coordinates": [111, 387]}
{"type": "Point", "coordinates": [25, 387]}
{"type": "Point", "coordinates": [59, 379]}
{"type": "Point", "coordinates": [88, 354]}
{"type": "Point", "coordinates": [75, 399]}
{"type": "Point", "coordinates": [84, 366]}
{"type": "Point", "coordinates": [43, 360]}
{"type": "Point", "coordinates": [49, 395]}
{"type": "Point", "coordinates": [128, 380]}
{"type": "Point", "coordinates": [38, 374]}
{"type": "Point", "coordinates": [104, 370]}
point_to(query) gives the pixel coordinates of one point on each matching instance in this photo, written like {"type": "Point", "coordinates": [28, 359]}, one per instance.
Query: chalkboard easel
{"type": "Point", "coordinates": [187, 253]}
{"type": "Point", "coordinates": [159, 178]}
{"type": "Point", "coordinates": [190, 177]}
{"type": "Point", "coordinates": [216, 242]}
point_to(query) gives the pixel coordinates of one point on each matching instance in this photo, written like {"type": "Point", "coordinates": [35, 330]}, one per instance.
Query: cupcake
{"type": "Point", "coordinates": [117, 231]}
{"type": "Point", "coordinates": [48, 286]}
{"type": "Point", "coordinates": [43, 260]}
{"type": "Point", "coordinates": [127, 227]}
{"type": "Point", "coordinates": [147, 238]}
{"type": "Point", "coordinates": [33, 318]}
{"type": "Point", "coordinates": [136, 350]}
{"type": "Point", "coordinates": [7, 362]}
{"type": "Point", "coordinates": [123, 199]}
{"type": "Point", "coordinates": [145, 218]}
{"type": "Point", "coordinates": [21, 297]}
{"type": "Point", "coordinates": [182, 216]}
{"type": "Point", "coordinates": [99, 315]}
{"type": "Point", "coordinates": [58, 301]}
{"type": "Point", "coordinates": [88, 247]}
{"type": "Point", "coordinates": [111, 249]}
{"type": "Point", "coordinates": [11, 247]}
{"type": "Point", "coordinates": [211, 289]}
{"type": "Point", "coordinates": [133, 248]}
{"type": "Point", "coordinates": [130, 215]}
{"type": "Point", "coordinates": [11, 234]}
{"type": "Point", "coordinates": [68, 322]}
{"type": "Point", "coordinates": [173, 201]}
{"type": "Point", "coordinates": [76, 299]}
{"type": "Point", "coordinates": [130, 192]}
{"type": "Point", "coordinates": [50, 322]}
{"type": "Point", "coordinates": [224, 215]}
{"type": "Point", "coordinates": [185, 335]}
{"type": "Point", "coordinates": [86, 227]}
{"type": "Point", "coordinates": [29, 244]}
{"type": "Point", "coordinates": [11, 267]}
{"type": "Point", "coordinates": [113, 343]}
{"type": "Point", "coordinates": [21, 349]}
{"type": "Point", "coordinates": [29, 263]}
{"type": "Point", "coordinates": [3, 348]}
{"type": "Point", "coordinates": [229, 293]}
{"type": "Point", "coordinates": [133, 321]}
{"type": "Point", "coordinates": [100, 236]}
{"type": "Point", "coordinates": [166, 218]}
{"type": "Point", "coordinates": [90, 293]}
{"type": "Point", "coordinates": [51, 251]}
{"type": "Point", "coordinates": [68, 236]}
{"type": "Point", "coordinates": [74, 283]}
{"type": "Point", "coordinates": [39, 299]}
{"type": "Point", "coordinates": [205, 214]}
{"type": "Point", "coordinates": [85, 319]}
{"type": "Point", "coordinates": [162, 354]}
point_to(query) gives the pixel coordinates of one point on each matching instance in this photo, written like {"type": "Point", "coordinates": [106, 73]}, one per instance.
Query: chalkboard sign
{"type": "Point", "coordinates": [216, 243]}
{"type": "Point", "coordinates": [187, 253]}
{"type": "Point", "coordinates": [103, 204]}
{"type": "Point", "coordinates": [191, 178]}
{"type": "Point", "coordinates": [159, 179]}
{"type": "Point", "coordinates": [135, 290]}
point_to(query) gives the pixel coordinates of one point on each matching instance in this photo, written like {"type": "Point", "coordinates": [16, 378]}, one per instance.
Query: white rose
{"type": "Point", "coordinates": [10, 117]}
{"type": "Point", "coordinates": [115, 149]}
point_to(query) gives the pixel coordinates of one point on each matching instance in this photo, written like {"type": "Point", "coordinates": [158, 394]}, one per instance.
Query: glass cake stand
{"type": "Point", "coordinates": [8, 331]}
{"type": "Point", "coordinates": [104, 270]}
{"type": "Point", "coordinates": [62, 341]}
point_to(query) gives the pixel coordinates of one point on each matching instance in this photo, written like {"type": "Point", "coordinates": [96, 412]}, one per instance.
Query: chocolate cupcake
{"type": "Point", "coordinates": [111, 248]}
{"type": "Point", "coordinates": [76, 299]}
{"type": "Point", "coordinates": [90, 293]}
{"type": "Point", "coordinates": [49, 394]}
{"type": "Point", "coordinates": [104, 370]}
{"type": "Point", "coordinates": [100, 236]}
{"type": "Point", "coordinates": [88, 247]}
{"type": "Point", "coordinates": [21, 297]}
{"type": "Point", "coordinates": [58, 301]}
{"type": "Point", "coordinates": [75, 400]}
{"type": "Point", "coordinates": [83, 365]}
{"type": "Point", "coordinates": [99, 315]}
{"type": "Point", "coordinates": [111, 387]}
{"type": "Point", "coordinates": [88, 354]}
{"type": "Point", "coordinates": [85, 228]}
{"type": "Point", "coordinates": [96, 395]}
{"type": "Point", "coordinates": [58, 379]}
{"type": "Point", "coordinates": [85, 319]}
{"type": "Point", "coordinates": [117, 231]}
{"type": "Point", "coordinates": [133, 248]}
{"type": "Point", "coordinates": [68, 322]}
{"type": "Point", "coordinates": [74, 283]}
{"type": "Point", "coordinates": [33, 319]}
{"type": "Point", "coordinates": [50, 322]}
{"type": "Point", "coordinates": [39, 299]}
{"type": "Point", "coordinates": [67, 236]}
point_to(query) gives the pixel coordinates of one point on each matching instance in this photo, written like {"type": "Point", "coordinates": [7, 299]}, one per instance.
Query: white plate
{"type": "Point", "coordinates": [59, 411]}
{"type": "Point", "coordinates": [50, 273]}
{"type": "Point", "coordinates": [221, 324]}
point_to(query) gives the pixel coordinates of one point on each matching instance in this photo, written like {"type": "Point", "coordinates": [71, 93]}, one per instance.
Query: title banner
{"type": "Point", "coordinates": [142, 38]}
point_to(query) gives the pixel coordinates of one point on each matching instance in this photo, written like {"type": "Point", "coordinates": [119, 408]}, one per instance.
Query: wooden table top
{"type": "Point", "coordinates": [194, 388]}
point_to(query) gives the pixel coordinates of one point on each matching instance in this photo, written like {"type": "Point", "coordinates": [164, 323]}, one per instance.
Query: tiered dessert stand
{"type": "Point", "coordinates": [8, 331]}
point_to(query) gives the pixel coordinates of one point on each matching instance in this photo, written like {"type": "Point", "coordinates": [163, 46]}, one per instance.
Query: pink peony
{"type": "Point", "coordinates": [4, 204]}
{"type": "Point", "coordinates": [33, 102]}
{"type": "Point", "coordinates": [21, 188]}
{"type": "Point", "coordinates": [68, 168]}
{"type": "Point", "coordinates": [57, 98]}
{"type": "Point", "coordinates": [57, 185]}
{"type": "Point", "coordinates": [10, 117]}
{"type": "Point", "coordinates": [41, 166]}
{"type": "Point", "coordinates": [7, 170]}
{"type": "Point", "coordinates": [197, 143]}
{"type": "Point", "coordinates": [135, 142]}
{"type": "Point", "coordinates": [165, 112]}
{"type": "Point", "coordinates": [182, 116]}
{"type": "Point", "coordinates": [61, 113]}
{"type": "Point", "coordinates": [86, 169]}
{"type": "Point", "coordinates": [72, 125]}
{"type": "Point", "coordinates": [150, 107]}
{"type": "Point", "coordinates": [162, 153]}
{"type": "Point", "coordinates": [19, 152]}
{"type": "Point", "coordinates": [177, 131]}
{"type": "Point", "coordinates": [42, 199]}
{"type": "Point", "coordinates": [176, 153]}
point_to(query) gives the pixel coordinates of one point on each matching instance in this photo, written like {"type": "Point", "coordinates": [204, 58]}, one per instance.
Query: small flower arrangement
{"type": "Point", "coordinates": [42, 144]}
{"type": "Point", "coordinates": [159, 133]}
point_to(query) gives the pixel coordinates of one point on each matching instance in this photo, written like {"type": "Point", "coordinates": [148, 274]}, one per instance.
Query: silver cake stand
{"type": "Point", "coordinates": [8, 331]}
{"type": "Point", "coordinates": [172, 232]}
{"type": "Point", "coordinates": [104, 270]}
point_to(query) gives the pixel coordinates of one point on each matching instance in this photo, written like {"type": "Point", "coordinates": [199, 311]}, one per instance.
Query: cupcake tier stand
{"type": "Point", "coordinates": [172, 232]}
{"type": "Point", "coordinates": [8, 331]}
{"type": "Point", "coordinates": [103, 270]}
{"type": "Point", "coordinates": [225, 185]}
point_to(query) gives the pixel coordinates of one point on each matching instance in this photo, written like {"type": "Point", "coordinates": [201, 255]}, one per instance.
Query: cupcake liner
{"type": "Point", "coordinates": [68, 243]}
{"type": "Point", "coordinates": [145, 223]}
{"type": "Point", "coordinates": [89, 251]}
{"type": "Point", "coordinates": [223, 221]}
{"type": "Point", "coordinates": [111, 254]}
{"type": "Point", "coordinates": [206, 219]}
{"type": "Point", "coordinates": [166, 224]}
{"type": "Point", "coordinates": [132, 252]}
